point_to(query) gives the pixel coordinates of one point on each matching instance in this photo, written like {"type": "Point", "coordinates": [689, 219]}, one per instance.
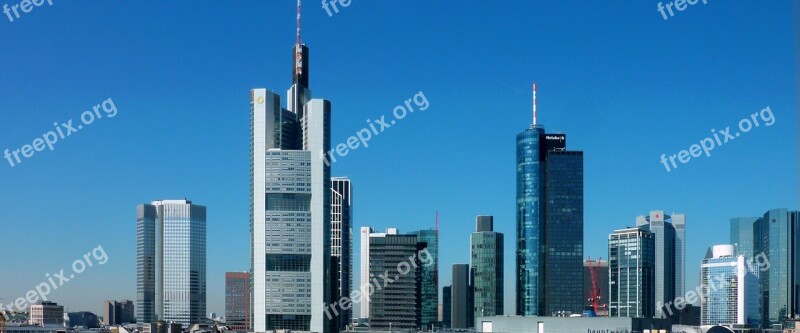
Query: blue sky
{"type": "Point", "coordinates": [624, 84]}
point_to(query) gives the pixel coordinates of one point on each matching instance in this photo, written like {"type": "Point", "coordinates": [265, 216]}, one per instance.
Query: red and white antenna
{"type": "Point", "coordinates": [299, 7]}
{"type": "Point", "coordinates": [534, 103]}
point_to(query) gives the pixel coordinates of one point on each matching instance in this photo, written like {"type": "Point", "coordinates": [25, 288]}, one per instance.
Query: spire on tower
{"type": "Point", "coordinates": [299, 7]}
{"type": "Point", "coordinates": [534, 103]}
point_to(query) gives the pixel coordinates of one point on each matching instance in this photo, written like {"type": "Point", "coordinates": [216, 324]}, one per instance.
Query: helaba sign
{"type": "Point", "coordinates": [607, 331]}
{"type": "Point", "coordinates": [560, 137]}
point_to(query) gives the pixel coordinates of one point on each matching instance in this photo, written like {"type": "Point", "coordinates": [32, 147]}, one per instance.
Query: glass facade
{"type": "Point", "coordinates": [780, 283]}
{"type": "Point", "coordinates": [341, 245]}
{"type": "Point", "coordinates": [530, 223]}
{"type": "Point", "coordinates": [742, 235]}
{"type": "Point", "coordinates": [178, 274]}
{"type": "Point", "coordinates": [487, 265]}
{"type": "Point", "coordinates": [549, 260]}
{"type": "Point", "coordinates": [631, 265]}
{"type": "Point", "coordinates": [564, 241]}
{"type": "Point", "coordinates": [669, 232]}
{"type": "Point", "coordinates": [430, 278]}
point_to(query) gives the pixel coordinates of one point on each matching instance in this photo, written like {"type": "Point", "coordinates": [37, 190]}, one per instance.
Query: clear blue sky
{"type": "Point", "coordinates": [625, 85]}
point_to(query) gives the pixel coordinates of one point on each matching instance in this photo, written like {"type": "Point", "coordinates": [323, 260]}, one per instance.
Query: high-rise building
{"type": "Point", "coordinates": [118, 313]}
{"type": "Point", "coordinates": [430, 278]}
{"type": "Point", "coordinates": [631, 265]}
{"type": "Point", "coordinates": [396, 305]}
{"type": "Point", "coordinates": [341, 244]}
{"type": "Point", "coordinates": [601, 274]}
{"type": "Point", "coordinates": [46, 313]}
{"type": "Point", "coordinates": [462, 308]}
{"type": "Point", "coordinates": [447, 307]}
{"type": "Point", "coordinates": [778, 233]}
{"type": "Point", "coordinates": [549, 261]}
{"type": "Point", "coordinates": [669, 232]}
{"type": "Point", "coordinates": [237, 301]}
{"type": "Point", "coordinates": [364, 279]}
{"type": "Point", "coordinates": [732, 289]}
{"type": "Point", "coordinates": [487, 265]}
{"type": "Point", "coordinates": [743, 231]}
{"type": "Point", "coordinates": [171, 262]}
{"type": "Point", "coordinates": [291, 206]}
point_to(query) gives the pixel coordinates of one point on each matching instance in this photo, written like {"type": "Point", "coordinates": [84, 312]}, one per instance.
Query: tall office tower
{"type": "Point", "coordinates": [669, 232]}
{"type": "Point", "coordinates": [118, 313]}
{"type": "Point", "coordinates": [631, 266]}
{"type": "Point", "coordinates": [46, 313]}
{"type": "Point", "coordinates": [290, 205]}
{"type": "Point", "coordinates": [779, 233]}
{"type": "Point", "coordinates": [487, 264]}
{"type": "Point", "coordinates": [364, 280]}
{"type": "Point", "coordinates": [447, 306]}
{"type": "Point", "coordinates": [600, 268]}
{"type": "Point", "coordinates": [430, 278]}
{"type": "Point", "coordinates": [461, 305]}
{"type": "Point", "coordinates": [743, 232]}
{"type": "Point", "coordinates": [732, 289]}
{"type": "Point", "coordinates": [395, 305]}
{"type": "Point", "coordinates": [237, 301]}
{"type": "Point", "coordinates": [549, 263]}
{"type": "Point", "coordinates": [171, 262]}
{"type": "Point", "coordinates": [341, 244]}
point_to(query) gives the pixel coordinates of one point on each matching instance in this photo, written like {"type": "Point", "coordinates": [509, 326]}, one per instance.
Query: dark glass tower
{"type": "Point", "coordinates": [779, 233]}
{"type": "Point", "coordinates": [549, 224]}
{"type": "Point", "coordinates": [430, 278]}
{"type": "Point", "coordinates": [487, 265]}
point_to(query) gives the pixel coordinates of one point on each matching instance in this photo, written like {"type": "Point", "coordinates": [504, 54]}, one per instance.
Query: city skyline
{"type": "Point", "coordinates": [608, 162]}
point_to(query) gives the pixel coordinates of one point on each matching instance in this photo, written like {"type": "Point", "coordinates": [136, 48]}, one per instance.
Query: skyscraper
{"type": "Point", "coordinates": [341, 244]}
{"type": "Point", "coordinates": [461, 303]}
{"type": "Point", "coordinates": [669, 232]}
{"type": "Point", "coordinates": [395, 305]}
{"type": "Point", "coordinates": [430, 278]}
{"type": "Point", "coordinates": [743, 234]}
{"type": "Point", "coordinates": [549, 261]}
{"type": "Point", "coordinates": [447, 307]}
{"type": "Point", "coordinates": [237, 301]}
{"type": "Point", "coordinates": [631, 265]}
{"type": "Point", "coordinates": [365, 279]}
{"type": "Point", "coordinates": [118, 313]}
{"type": "Point", "coordinates": [171, 262]}
{"type": "Point", "coordinates": [779, 232]}
{"type": "Point", "coordinates": [290, 205]}
{"type": "Point", "coordinates": [487, 265]}
{"type": "Point", "coordinates": [732, 289]}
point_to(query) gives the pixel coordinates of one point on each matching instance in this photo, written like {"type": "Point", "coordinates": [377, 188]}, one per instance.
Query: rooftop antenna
{"type": "Point", "coordinates": [299, 7]}
{"type": "Point", "coordinates": [534, 102]}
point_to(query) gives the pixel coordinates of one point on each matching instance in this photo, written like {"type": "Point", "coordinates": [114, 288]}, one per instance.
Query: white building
{"type": "Point", "coordinates": [729, 287]}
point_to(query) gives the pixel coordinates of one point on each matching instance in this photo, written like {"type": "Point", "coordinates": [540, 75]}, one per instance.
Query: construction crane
{"type": "Point", "coordinates": [594, 292]}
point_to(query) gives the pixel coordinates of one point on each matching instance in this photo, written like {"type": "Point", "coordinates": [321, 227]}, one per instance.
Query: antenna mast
{"type": "Point", "coordinates": [299, 7]}
{"type": "Point", "coordinates": [534, 103]}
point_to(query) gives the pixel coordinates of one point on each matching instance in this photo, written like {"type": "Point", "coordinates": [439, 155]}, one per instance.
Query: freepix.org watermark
{"type": "Point", "coordinates": [26, 6]}
{"type": "Point", "coordinates": [328, 4]}
{"type": "Point", "coordinates": [758, 263]}
{"type": "Point", "coordinates": [376, 127]}
{"type": "Point", "coordinates": [55, 281]}
{"type": "Point", "coordinates": [379, 282]}
{"type": "Point", "coordinates": [61, 132]}
{"type": "Point", "coordinates": [718, 139]}
{"type": "Point", "coordinates": [679, 5]}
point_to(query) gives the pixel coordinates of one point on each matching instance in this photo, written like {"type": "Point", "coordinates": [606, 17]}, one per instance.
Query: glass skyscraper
{"type": "Point", "coordinates": [290, 207]}
{"type": "Point", "coordinates": [779, 233]}
{"type": "Point", "coordinates": [395, 305]}
{"type": "Point", "coordinates": [669, 233]}
{"type": "Point", "coordinates": [732, 289]}
{"type": "Point", "coordinates": [549, 261]}
{"type": "Point", "coordinates": [487, 266]}
{"type": "Point", "coordinates": [631, 266]}
{"type": "Point", "coordinates": [341, 244]}
{"type": "Point", "coordinates": [430, 278]}
{"type": "Point", "coordinates": [742, 234]}
{"type": "Point", "coordinates": [171, 262]}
